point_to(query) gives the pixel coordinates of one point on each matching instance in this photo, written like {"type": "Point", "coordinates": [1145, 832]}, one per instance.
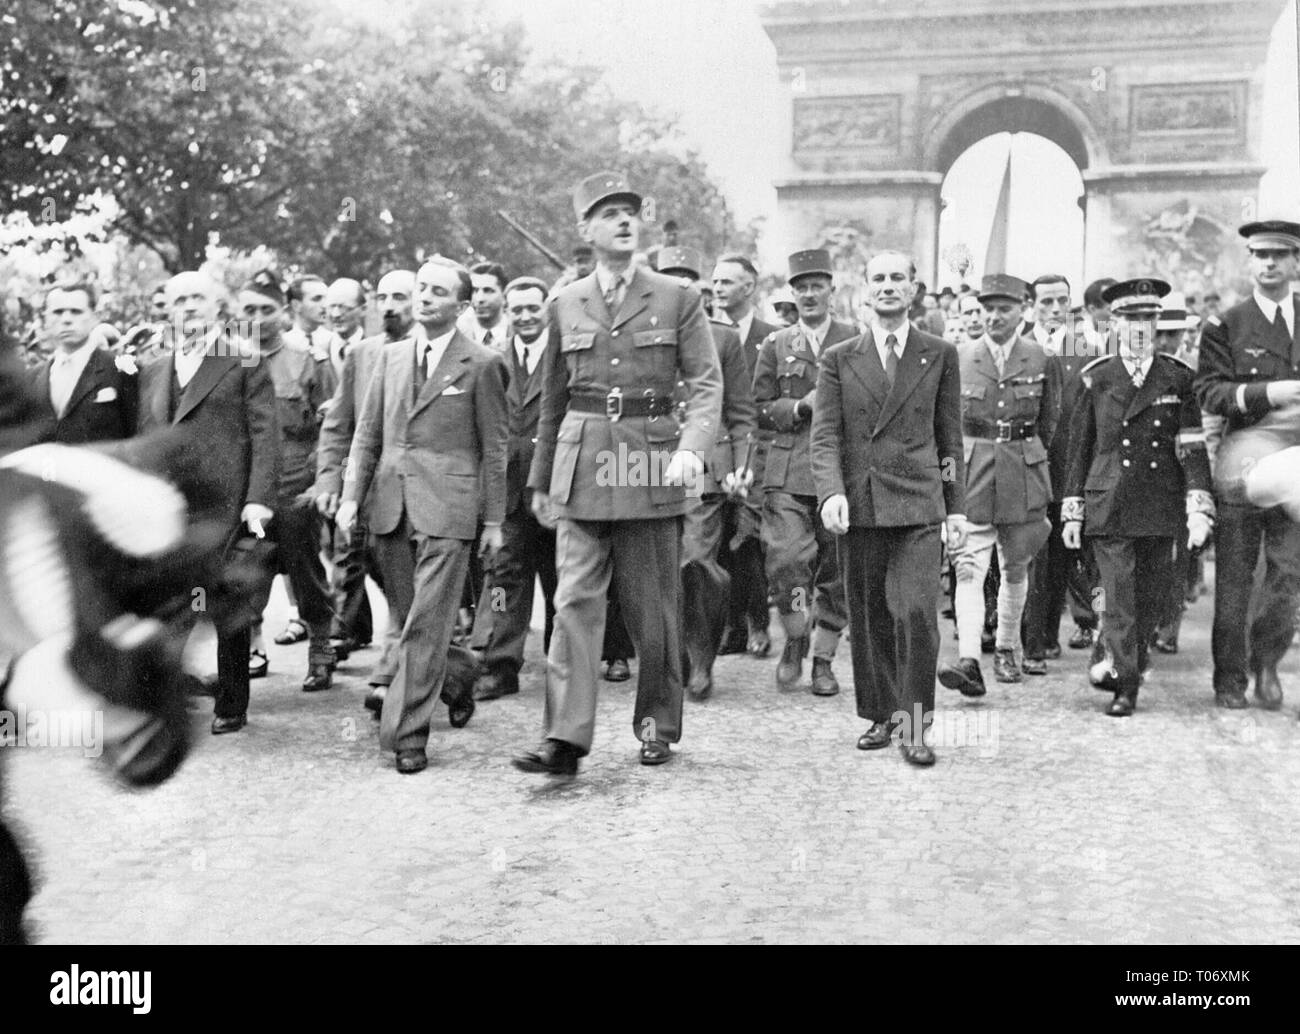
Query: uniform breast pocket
{"type": "Point", "coordinates": [1256, 364]}
{"type": "Point", "coordinates": [972, 396]}
{"type": "Point", "coordinates": [1029, 397]}
{"type": "Point", "coordinates": [657, 350]}
{"type": "Point", "coordinates": [577, 351]}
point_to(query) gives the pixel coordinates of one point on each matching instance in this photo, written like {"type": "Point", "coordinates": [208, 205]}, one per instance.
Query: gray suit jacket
{"type": "Point", "coordinates": [441, 455]}
{"type": "Point", "coordinates": [344, 410]}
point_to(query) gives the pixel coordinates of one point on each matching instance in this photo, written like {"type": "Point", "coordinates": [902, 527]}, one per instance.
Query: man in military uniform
{"type": "Point", "coordinates": [1008, 411]}
{"type": "Point", "coordinates": [1249, 365]}
{"type": "Point", "coordinates": [612, 470]}
{"type": "Point", "coordinates": [300, 397]}
{"type": "Point", "coordinates": [714, 514]}
{"type": "Point", "coordinates": [803, 569]}
{"type": "Point", "coordinates": [1138, 476]}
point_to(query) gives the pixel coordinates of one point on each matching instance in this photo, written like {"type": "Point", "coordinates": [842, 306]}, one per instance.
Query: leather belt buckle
{"type": "Point", "coordinates": [614, 404]}
{"type": "Point", "coordinates": [1004, 431]}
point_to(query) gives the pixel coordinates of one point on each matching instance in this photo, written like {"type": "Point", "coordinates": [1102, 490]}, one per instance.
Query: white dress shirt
{"type": "Point", "coordinates": [189, 360]}
{"type": "Point", "coordinates": [1269, 308]}
{"type": "Point", "coordinates": [815, 336]}
{"type": "Point", "coordinates": [471, 328]}
{"type": "Point", "coordinates": [431, 348]}
{"type": "Point", "coordinates": [66, 369]}
{"type": "Point", "coordinates": [879, 334]}
{"type": "Point", "coordinates": [530, 355]}
{"type": "Point", "coordinates": [1051, 342]}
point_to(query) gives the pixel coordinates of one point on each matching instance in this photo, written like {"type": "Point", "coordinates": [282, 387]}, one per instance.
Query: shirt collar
{"type": "Point", "coordinates": [747, 321]}
{"type": "Point", "coordinates": [818, 334]}
{"type": "Point", "coordinates": [605, 277]}
{"type": "Point", "coordinates": [1269, 308]}
{"type": "Point", "coordinates": [438, 343]}
{"type": "Point", "coordinates": [537, 346]}
{"type": "Point", "coordinates": [879, 334]}
{"type": "Point", "coordinates": [77, 357]}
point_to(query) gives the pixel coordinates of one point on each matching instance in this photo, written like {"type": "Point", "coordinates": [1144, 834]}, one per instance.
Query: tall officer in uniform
{"type": "Point", "coordinates": [734, 282]}
{"type": "Point", "coordinates": [887, 457]}
{"type": "Point", "coordinates": [611, 470]}
{"type": "Point", "coordinates": [714, 513]}
{"type": "Point", "coordinates": [1009, 410]}
{"type": "Point", "coordinates": [1250, 364]}
{"type": "Point", "coordinates": [803, 569]}
{"type": "Point", "coordinates": [1138, 476]}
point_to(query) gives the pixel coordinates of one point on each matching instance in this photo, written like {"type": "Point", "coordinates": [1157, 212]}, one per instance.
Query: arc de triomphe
{"type": "Point", "coordinates": [1158, 103]}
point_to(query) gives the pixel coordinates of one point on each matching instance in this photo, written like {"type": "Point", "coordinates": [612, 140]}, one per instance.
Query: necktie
{"type": "Point", "coordinates": [421, 366]}
{"type": "Point", "coordinates": [999, 359]}
{"type": "Point", "coordinates": [487, 338]}
{"type": "Point", "coordinates": [61, 383]}
{"type": "Point", "coordinates": [614, 296]}
{"type": "Point", "coordinates": [891, 359]}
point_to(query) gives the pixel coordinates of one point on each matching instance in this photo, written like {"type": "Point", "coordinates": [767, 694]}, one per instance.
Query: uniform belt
{"type": "Point", "coordinates": [1000, 430]}
{"type": "Point", "coordinates": [616, 405]}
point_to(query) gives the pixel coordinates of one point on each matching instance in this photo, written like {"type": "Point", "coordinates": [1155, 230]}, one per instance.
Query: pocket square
{"type": "Point", "coordinates": [451, 389]}
{"type": "Point", "coordinates": [106, 395]}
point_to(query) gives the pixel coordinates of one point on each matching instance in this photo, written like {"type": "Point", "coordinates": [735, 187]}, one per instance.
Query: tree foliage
{"type": "Point", "coordinates": [347, 147]}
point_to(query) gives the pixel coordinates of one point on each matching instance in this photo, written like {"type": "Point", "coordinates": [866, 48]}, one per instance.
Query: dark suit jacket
{"type": "Point", "coordinates": [896, 454]}
{"type": "Point", "coordinates": [102, 407]}
{"type": "Point", "coordinates": [524, 406]}
{"type": "Point", "coordinates": [786, 375]}
{"type": "Point", "coordinates": [1241, 347]}
{"type": "Point", "coordinates": [758, 333]}
{"type": "Point", "coordinates": [737, 407]}
{"type": "Point", "coordinates": [441, 455]}
{"type": "Point", "coordinates": [232, 448]}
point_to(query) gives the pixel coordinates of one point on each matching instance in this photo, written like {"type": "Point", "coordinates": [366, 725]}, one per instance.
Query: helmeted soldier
{"type": "Point", "coordinates": [1138, 476]}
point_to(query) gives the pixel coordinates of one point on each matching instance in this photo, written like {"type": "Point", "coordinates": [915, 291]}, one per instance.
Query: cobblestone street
{"type": "Point", "coordinates": [1044, 821]}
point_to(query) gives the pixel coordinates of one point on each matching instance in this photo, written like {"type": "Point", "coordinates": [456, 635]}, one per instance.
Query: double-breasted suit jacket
{"type": "Point", "coordinates": [785, 376]}
{"type": "Point", "coordinates": [1007, 421]}
{"type": "Point", "coordinates": [1136, 452]}
{"type": "Point", "coordinates": [601, 469]}
{"type": "Point", "coordinates": [102, 406]}
{"type": "Point", "coordinates": [439, 455]}
{"type": "Point", "coordinates": [895, 453]}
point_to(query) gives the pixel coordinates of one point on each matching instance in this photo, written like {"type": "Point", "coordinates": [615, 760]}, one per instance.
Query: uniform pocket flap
{"type": "Point", "coordinates": [576, 342]}
{"type": "Point", "coordinates": [1035, 451]}
{"type": "Point", "coordinates": [649, 338]}
{"type": "Point", "coordinates": [570, 431]}
{"type": "Point", "coordinates": [1028, 391]}
{"type": "Point", "coordinates": [974, 391]}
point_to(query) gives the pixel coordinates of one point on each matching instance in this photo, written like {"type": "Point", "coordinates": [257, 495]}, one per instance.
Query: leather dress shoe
{"type": "Point", "coordinates": [553, 757]}
{"type": "Point", "coordinates": [700, 684]}
{"type": "Point", "coordinates": [824, 683]}
{"type": "Point", "coordinates": [1052, 652]}
{"type": "Point", "coordinates": [790, 667]}
{"type": "Point", "coordinates": [1005, 666]}
{"type": "Point", "coordinates": [733, 642]}
{"type": "Point", "coordinates": [876, 737]}
{"type": "Point", "coordinates": [496, 684]}
{"type": "Point", "coordinates": [1268, 690]}
{"type": "Point", "coordinates": [759, 644]}
{"type": "Point", "coordinates": [1122, 706]}
{"type": "Point", "coordinates": [618, 671]}
{"type": "Point", "coordinates": [461, 710]}
{"type": "Point", "coordinates": [1081, 638]}
{"type": "Point", "coordinates": [319, 677]}
{"type": "Point", "coordinates": [374, 702]}
{"type": "Point", "coordinates": [965, 675]}
{"type": "Point", "coordinates": [411, 761]}
{"type": "Point", "coordinates": [1034, 666]}
{"type": "Point", "coordinates": [655, 752]}
{"type": "Point", "coordinates": [220, 726]}
{"type": "Point", "coordinates": [918, 754]}
{"type": "Point", "coordinates": [1231, 700]}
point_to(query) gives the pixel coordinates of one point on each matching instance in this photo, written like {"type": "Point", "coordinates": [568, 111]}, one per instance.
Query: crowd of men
{"type": "Point", "coordinates": [670, 467]}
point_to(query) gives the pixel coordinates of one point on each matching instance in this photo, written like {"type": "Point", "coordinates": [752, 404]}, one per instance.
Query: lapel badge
{"type": "Point", "coordinates": [654, 321]}
{"type": "Point", "coordinates": [922, 362]}
{"type": "Point", "coordinates": [789, 359]}
{"type": "Point", "coordinates": [1256, 352]}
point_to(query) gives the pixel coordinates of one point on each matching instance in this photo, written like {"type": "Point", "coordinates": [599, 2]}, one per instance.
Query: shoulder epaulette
{"type": "Point", "coordinates": [1180, 361]}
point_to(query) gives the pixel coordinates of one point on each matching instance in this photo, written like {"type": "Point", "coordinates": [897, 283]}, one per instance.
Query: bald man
{"type": "Point", "coordinates": [354, 555]}
{"type": "Point", "coordinates": [216, 390]}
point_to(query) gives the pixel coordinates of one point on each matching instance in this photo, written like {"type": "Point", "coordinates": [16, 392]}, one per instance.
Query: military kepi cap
{"type": "Point", "coordinates": [1136, 297]}
{"type": "Point", "coordinates": [679, 260]}
{"type": "Point", "coordinates": [1003, 285]}
{"type": "Point", "coordinates": [601, 187]}
{"type": "Point", "coordinates": [1272, 233]}
{"type": "Point", "coordinates": [265, 283]}
{"type": "Point", "coordinates": [805, 263]}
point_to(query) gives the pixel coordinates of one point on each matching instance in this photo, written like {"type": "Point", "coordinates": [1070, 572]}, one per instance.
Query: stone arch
{"type": "Point", "coordinates": [1020, 107]}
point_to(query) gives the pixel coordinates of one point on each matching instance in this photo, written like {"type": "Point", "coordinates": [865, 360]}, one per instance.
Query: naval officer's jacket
{"type": "Point", "coordinates": [1137, 462]}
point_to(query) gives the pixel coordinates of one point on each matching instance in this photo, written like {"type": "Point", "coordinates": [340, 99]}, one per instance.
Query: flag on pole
{"type": "Point", "coordinates": [995, 259]}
